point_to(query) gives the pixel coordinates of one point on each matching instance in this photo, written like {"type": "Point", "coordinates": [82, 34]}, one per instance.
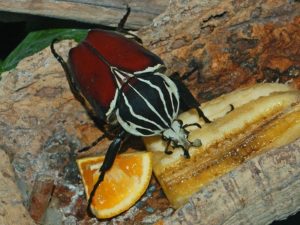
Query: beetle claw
{"type": "Point", "coordinates": [168, 152]}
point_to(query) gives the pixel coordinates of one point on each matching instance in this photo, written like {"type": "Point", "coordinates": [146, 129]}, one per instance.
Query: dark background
{"type": "Point", "coordinates": [15, 27]}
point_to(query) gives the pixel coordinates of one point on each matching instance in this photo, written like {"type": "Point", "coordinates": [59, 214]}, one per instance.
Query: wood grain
{"type": "Point", "coordinates": [105, 12]}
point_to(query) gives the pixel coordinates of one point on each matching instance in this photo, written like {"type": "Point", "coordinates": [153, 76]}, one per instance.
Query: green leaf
{"type": "Point", "coordinates": [36, 41]}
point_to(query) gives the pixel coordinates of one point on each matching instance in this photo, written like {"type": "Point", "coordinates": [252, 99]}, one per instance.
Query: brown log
{"type": "Point", "coordinates": [236, 43]}
{"type": "Point", "coordinates": [106, 12]}
{"type": "Point", "coordinates": [12, 210]}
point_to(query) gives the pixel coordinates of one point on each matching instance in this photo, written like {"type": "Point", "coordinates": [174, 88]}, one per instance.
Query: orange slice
{"type": "Point", "coordinates": [122, 186]}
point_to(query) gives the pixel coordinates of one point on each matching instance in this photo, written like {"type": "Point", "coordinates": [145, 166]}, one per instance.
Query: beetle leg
{"type": "Point", "coordinates": [120, 28]}
{"type": "Point", "coordinates": [187, 99]}
{"type": "Point", "coordinates": [107, 133]}
{"type": "Point", "coordinates": [64, 65]}
{"type": "Point", "coordinates": [231, 108]}
{"type": "Point", "coordinates": [201, 114]}
{"type": "Point", "coordinates": [94, 143]}
{"type": "Point", "coordinates": [186, 153]}
{"type": "Point", "coordinates": [124, 19]}
{"type": "Point", "coordinates": [74, 89]}
{"type": "Point", "coordinates": [188, 74]}
{"type": "Point", "coordinates": [192, 124]}
{"type": "Point", "coordinates": [109, 159]}
{"type": "Point", "coordinates": [167, 151]}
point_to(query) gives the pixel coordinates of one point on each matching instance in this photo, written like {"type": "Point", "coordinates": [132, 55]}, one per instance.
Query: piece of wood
{"type": "Point", "coordinates": [12, 210]}
{"type": "Point", "coordinates": [236, 42]}
{"type": "Point", "coordinates": [106, 12]}
{"type": "Point", "coordinates": [263, 189]}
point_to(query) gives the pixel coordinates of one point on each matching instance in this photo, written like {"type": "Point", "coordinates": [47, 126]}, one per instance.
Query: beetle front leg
{"type": "Point", "coordinates": [109, 159]}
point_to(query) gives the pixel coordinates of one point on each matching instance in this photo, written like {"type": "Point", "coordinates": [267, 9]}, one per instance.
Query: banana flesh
{"type": "Point", "coordinates": [220, 106]}
{"type": "Point", "coordinates": [265, 116]}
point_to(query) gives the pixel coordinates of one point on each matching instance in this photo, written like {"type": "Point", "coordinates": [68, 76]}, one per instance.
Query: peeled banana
{"type": "Point", "coordinates": [264, 116]}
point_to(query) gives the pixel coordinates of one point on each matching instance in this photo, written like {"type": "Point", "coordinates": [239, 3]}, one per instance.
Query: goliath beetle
{"type": "Point", "coordinates": [124, 89]}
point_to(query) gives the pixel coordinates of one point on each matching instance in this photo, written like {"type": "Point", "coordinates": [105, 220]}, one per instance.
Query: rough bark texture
{"type": "Point", "coordinates": [234, 43]}
{"type": "Point", "coordinates": [12, 210]}
{"type": "Point", "coordinates": [102, 12]}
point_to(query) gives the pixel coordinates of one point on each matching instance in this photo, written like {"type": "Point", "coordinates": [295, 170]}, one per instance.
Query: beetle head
{"type": "Point", "coordinates": [178, 135]}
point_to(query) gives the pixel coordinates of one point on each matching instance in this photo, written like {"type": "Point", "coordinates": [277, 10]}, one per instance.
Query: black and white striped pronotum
{"type": "Point", "coordinates": [123, 87]}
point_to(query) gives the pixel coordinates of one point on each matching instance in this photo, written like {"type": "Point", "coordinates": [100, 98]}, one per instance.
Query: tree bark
{"type": "Point", "coordinates": [233, 43]}
{"type": "Point", "coordinates": [11, 203]}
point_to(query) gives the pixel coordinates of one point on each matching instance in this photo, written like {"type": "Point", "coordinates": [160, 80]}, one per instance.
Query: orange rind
{"type": "Point", "coordinates": [123, 184]}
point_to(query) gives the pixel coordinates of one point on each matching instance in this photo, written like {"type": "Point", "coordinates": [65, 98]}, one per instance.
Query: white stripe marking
{"type": "Point", "coordinates": [139, 116]}
{"type": "Point", "coordinates": [160, 95]}
{"type": "Point", "coordinates": [132, 128]}
{"type": "Point", "coordinates": [149, 105]}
